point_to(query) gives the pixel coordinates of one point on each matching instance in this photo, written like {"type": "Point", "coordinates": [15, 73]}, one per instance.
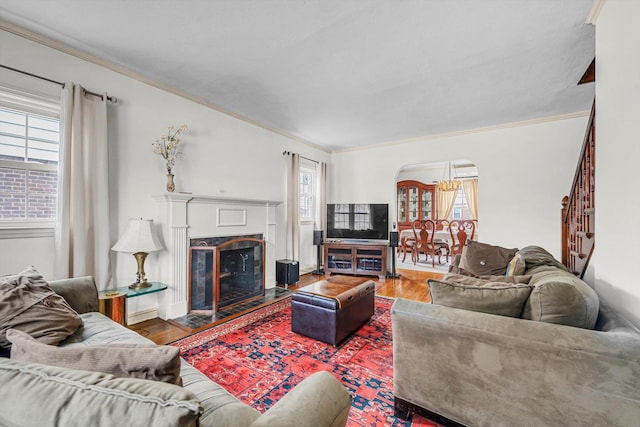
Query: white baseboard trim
{"type": "Point", "coordinates": [141, 316]}
{"type": "Point", "coordinates": [307, 270]}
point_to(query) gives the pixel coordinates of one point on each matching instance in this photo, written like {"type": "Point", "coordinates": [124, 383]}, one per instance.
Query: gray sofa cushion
{"type": "Point", "coordinates": [492, 298]}
{"type": "Point", "coordinates": [562, 298]}
{"type": "Point", "coordinates": [151, 362]}
{"type": "Point", "coordinates": [42, 395]}
{"type": "Point", "coordinates": [219, 406]}
{"type": "Point", "coordinates": [79, 292]}
{"type": "Point", "coordinates": [28, 303]}
{"type": "Point", "coordinates": [559, 296]}
{"type": "Point", "coordinates": [483, 259]}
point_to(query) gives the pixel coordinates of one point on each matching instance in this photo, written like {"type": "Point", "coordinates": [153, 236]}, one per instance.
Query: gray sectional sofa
{"type": "Point", "coordinates": [568, 360]}
{"type": "Point", "coordinates": [44, 395]}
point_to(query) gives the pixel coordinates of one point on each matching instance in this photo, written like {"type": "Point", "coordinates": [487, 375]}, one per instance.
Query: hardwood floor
{"type": "Point", "coordinates": [410, 285]}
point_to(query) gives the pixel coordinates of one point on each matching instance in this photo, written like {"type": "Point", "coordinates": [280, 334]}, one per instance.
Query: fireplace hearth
{"type": "Point", "coordinates": [225, 272]}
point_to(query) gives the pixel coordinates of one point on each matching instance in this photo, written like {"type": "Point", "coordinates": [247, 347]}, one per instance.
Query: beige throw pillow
{"type": "Point", "coordinates": [151, 362]}
{"type": "Point", "coordinates": [500, 299]}
{"type": "Point", "coordinates": [516, 266]}
{"type": "Point", "coordinates": [28, 303]}
{"type": "Point", "coordinates": [482, 259]}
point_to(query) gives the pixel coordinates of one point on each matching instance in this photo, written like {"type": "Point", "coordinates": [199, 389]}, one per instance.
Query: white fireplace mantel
{"type": "Point", "coordinates": [183, 216]}
{"type": "Point", "coordinates": [202, 198]}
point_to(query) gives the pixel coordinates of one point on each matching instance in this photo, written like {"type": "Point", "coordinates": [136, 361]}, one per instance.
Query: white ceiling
{"type": "Point", "coordinates": [342, 73]}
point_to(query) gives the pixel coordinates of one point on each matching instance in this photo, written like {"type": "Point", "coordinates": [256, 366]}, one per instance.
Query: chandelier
{"type": "Point", "coordinates": [448, 184]}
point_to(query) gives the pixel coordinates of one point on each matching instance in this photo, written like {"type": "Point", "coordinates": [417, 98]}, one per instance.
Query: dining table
{"type": "Point", "coordinates": [408, 235]}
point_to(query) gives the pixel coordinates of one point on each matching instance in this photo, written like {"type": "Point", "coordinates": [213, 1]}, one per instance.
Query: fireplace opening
{"type": "Point", "coordinates": [225, 272]}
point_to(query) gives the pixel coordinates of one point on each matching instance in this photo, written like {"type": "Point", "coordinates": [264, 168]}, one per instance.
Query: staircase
{"type": "Point", "coordinates": [578, 208]}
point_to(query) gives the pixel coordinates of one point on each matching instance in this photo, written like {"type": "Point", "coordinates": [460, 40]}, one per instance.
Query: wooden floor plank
{"type": "Point", "coordinates": [410, 285]}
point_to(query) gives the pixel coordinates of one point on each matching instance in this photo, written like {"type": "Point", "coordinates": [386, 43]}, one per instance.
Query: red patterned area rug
{"type": "Point", "coordinates": [258, 359]}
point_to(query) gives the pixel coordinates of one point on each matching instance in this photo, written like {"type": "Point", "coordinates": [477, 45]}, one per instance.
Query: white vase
{"type": "Point", "coordinates": [171, 186]}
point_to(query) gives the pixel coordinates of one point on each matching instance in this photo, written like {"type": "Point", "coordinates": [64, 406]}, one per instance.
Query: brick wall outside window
{"type": "Point", "coordinates": [37, 201]}
{"type": "Point", "coordinates": [42, 203]}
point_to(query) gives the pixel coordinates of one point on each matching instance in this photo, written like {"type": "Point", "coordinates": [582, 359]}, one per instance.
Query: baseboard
{"type": "Point", "coordinates": [307, 270]}
{"type": "Point", "coordinates": [141, 316]}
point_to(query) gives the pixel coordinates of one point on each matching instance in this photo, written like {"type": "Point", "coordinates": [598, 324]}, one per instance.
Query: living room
{"type": "Point", "coordinates": [524, 167]}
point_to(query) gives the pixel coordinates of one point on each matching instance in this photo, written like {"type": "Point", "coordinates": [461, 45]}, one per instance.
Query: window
{"type": "Point", "coordinates": [307, 185]}
{"type": "Point", "coordinates": [29, 146]}
{"type": "Point", "coordinates": [460, 209]}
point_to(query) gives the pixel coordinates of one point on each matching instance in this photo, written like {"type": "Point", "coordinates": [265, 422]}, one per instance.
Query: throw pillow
{"type": "Point", "coordinates": [457, 270]}
{"type": "Point", "coordinates": [503, 300]}
{"type": "Point", "coordinates": [536, 256]}
{"type": "Point", "coordinates": [151, 362]}
{"type": "Point", "coordinates": [45, 395]}
{"type": "Point", "coordinates": [483, 280]}
{"type": "Point", "coordinates": [516, 266]}
{"type": "Point", "coordinates": [482, 259]}
{"type": "Point", "coordinates": [28, 303]}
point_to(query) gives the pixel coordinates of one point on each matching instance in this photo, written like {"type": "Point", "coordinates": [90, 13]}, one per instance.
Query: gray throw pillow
{"type": "Point", "coordinates": [48, 396]}
{"type": "Point", "coordinates": [482, 259]}
{"type": "Point", "coordinates": [535, 256]}
{"type": "Point", "coordinates": [150, 362]}
{"type": "Point", "coordinates": [483, 280]}
{"type": "Point", "coordinates": [492, 298]}
{"type": "Point", "coordinates": [28, 303]}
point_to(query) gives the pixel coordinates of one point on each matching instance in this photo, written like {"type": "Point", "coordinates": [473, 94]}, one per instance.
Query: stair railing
{"type": "Point", "coordinates": [578, 208]}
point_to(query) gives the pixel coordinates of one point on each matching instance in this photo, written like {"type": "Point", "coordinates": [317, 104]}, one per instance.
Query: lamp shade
{"type": "Point", "coordinates": [139, 236]}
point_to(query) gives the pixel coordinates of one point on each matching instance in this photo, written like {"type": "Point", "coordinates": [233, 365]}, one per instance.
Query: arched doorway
{"type": "Point", "coordinates": [418, 197]}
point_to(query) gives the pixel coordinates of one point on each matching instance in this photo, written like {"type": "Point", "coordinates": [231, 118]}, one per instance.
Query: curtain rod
{"type": "Point", "coordinates": [109, 98]}
{"type": "Point", "coordinates": [302, 157]}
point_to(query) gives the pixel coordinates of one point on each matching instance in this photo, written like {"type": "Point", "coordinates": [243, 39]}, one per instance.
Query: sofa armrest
{"type": "Point", "coordinates": [80, 292]}
{"type": "Point", "coordinates": [482, 369]}
{"type": "Point", "coordinates": [319, 400]}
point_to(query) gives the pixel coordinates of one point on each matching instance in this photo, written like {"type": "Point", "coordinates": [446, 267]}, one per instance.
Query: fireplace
{"type": "Point", "coordinates": [225, 271]}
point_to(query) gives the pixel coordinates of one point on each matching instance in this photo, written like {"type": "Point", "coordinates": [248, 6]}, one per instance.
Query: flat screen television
{"type": "Point", "coordinates": [361, 221]}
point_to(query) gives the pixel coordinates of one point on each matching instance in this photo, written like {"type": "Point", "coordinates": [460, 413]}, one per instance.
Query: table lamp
{"type": "Point", "coordinates": [139, 238]}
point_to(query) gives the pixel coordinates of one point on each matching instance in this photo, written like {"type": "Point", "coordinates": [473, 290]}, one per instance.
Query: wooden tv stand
{"type": "Point", "coordinates": [362, 258]}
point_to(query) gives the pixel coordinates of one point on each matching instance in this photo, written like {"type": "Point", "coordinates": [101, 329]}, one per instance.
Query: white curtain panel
{"type": "Point", "coordinates": [82, 236]}
{"type": "Point", "coordinates": [445, 200]}
{"type": "Point", "coordinates": [471, 194]}
{"type": "Point", "coordinates": [321, 205]}
{"type": "Point", "coordinates": [293, 207]}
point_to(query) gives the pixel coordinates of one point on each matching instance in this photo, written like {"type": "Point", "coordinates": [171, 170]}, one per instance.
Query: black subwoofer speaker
{"type": "Point", "coordinates": [317, 237]}
{"type": "Point", "coordinates": [287, 271]}
{"type": "Point", "coordinates": [393, 239]}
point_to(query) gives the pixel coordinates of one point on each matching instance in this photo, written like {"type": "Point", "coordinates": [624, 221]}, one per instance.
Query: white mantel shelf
{"type": "Point", "coordinates": [204, 198]}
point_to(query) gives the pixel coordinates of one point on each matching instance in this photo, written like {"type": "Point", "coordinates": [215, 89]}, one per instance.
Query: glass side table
{"type": "Point", "coordinates": [131, 293]}
{"type": "Point", "coordinates": [113, 302]}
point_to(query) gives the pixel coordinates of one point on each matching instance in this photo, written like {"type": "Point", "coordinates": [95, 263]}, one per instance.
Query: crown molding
{"type": "Point", "coordinates": [594, 13]}
{"type": "Point", "coordinates": [62, 47]}
{"type": "Point", "coordinates": [469, 131]}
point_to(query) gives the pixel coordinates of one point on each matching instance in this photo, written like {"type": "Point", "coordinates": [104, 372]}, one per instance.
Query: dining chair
{"type": "Point", "coordinates": [406, 243]}
{"type": "Point", "coordinates": [424, 232]}
{"type": "Point", "coordinates": [461, 231]}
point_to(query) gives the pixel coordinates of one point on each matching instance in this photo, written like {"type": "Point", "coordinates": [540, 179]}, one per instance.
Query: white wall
{"type": "Point", "coordinates": [430, 173]}
{"type": "Point", "coordinates": [222, 155]}
{"type": "Point", "coordinates": [523, 173]}
{"type": "Point", "coordinates": [617, 155]}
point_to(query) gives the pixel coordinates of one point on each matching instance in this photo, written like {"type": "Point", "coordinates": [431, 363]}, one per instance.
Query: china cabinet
{"type": "Point", "coordinates": [416, 200]}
